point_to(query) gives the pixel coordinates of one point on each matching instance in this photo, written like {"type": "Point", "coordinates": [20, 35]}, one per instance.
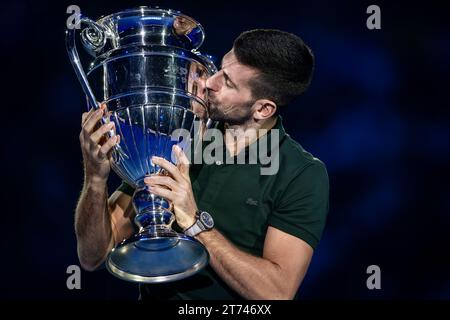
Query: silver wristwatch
{"type": "Point", "coordinates": [203, 222]}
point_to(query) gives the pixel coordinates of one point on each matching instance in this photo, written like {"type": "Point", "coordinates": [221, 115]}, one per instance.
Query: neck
{"type": "Point", "coordinates": [237, 137]}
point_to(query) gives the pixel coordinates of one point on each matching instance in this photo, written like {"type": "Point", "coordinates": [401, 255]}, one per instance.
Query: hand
{"type": "Point", "coordinates": [95, 145]}
{"type": "Point", "coordinates": [176, 188]}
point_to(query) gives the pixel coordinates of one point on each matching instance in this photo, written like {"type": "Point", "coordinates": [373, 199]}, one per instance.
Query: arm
{"type": "Point", "coordinates": [93, 225]}
{"type": "Point", "coordinates": [99, 223]}
{"type": "Point", "coordinates": [275, 275]}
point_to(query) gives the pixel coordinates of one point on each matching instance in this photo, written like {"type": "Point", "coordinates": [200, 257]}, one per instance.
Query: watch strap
{"type": "Point", "coordinates": [194, 229]}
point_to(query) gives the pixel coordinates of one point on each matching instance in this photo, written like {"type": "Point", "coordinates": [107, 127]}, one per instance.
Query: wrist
{"type": "Point", "coordinates": [95, 174]}
{"type": "Point", "coordinates": [188, 223]}
{"type": "Point", "coordinates": [203, 222]}
{"type": "Point", "coordinates": [95, 182]}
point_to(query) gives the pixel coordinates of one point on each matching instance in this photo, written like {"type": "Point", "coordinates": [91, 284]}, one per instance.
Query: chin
{"type": "Point", "coordinates": [212, 111]}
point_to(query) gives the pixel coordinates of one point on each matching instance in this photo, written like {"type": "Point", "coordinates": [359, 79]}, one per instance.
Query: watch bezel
{"type": "Point", "coordinates": [202, 220]}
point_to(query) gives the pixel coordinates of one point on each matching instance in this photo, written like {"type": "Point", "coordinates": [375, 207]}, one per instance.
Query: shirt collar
{"type": "Point", "coordinates": [269, 136]}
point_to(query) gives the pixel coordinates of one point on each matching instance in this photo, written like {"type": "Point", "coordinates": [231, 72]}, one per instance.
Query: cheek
{"type": "Point", "coordinates": [229, 96]}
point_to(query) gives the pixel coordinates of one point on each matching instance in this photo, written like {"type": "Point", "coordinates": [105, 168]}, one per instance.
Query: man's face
{"type": "Point", "coordinates": [229, 94]}
{"type": "Point", "coordinates": [196, 85]}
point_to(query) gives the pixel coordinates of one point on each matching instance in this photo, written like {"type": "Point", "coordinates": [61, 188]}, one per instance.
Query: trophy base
{"type": "Point", "coordinates": [157, 257]}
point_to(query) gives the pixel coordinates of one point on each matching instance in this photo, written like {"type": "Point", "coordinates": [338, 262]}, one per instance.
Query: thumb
{"type": "Point", "coordinates": [182, 161]}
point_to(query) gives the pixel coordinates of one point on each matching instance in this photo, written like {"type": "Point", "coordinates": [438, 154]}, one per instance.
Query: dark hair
{"type": "Point", "coordinates": [286, 63]}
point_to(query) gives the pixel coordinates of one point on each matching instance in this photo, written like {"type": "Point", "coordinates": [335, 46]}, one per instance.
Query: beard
{"type": "Point", "coordinates": [237, 114]}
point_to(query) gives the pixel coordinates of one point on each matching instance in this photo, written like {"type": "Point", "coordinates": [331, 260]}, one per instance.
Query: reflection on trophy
{"type": "Point", "coordinates": [148, 72]}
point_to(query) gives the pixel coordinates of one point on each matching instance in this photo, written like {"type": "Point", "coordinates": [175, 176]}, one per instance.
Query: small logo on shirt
{"type": "Point", "coordinates": [252, 202]}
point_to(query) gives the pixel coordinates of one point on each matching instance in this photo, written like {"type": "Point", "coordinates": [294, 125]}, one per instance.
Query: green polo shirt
{"type": "Point", "coordinates": [243, 203]}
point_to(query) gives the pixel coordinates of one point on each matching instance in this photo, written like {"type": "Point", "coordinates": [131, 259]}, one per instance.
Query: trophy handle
{"type": "Point", "coordinates": [93, 38]}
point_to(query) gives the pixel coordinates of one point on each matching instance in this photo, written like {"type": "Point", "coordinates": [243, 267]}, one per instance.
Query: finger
{"type": "Point", "coordinates": [98, 124]}
{"type": "Point", "coordinates": [103, 140]}
{"type": "Point", "coordinates": [163, 192]}
{"type": "Point", "coordinates": [161, 181]}
{"type": "Point", "coordinates": [86, 115]}
{"type": "Point", "coordinates": [182, 161]}
{"type": "Point", "coordinates": [93, 119]}
{"type": "Point", "coordinates": [106, 148]}
{"type": "Point", "coordinates": [98, 134]}
{"type": "Point", "coordinates": [169, 167]}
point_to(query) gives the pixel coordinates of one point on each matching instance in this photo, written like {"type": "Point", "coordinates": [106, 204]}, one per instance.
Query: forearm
{"type": "Point", "coordinates": [93, 224]}
{"type": "Point", "coordinates": [252, 277]}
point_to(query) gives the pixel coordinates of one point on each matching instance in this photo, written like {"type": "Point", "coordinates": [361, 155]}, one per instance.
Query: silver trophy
{"type": "Point", "coordinates": [146, 68]}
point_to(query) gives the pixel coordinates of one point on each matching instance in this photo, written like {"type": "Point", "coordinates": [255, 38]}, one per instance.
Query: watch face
{"type": "Point", "coordinates": [207, 220]}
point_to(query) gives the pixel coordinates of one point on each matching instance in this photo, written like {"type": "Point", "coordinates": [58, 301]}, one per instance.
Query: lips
{"type": "Point", "coordinates": [209, 95]}
{"type": "Point", "coordinates": [209, 101]}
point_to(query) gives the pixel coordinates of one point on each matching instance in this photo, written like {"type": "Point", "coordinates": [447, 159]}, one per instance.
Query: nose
{"type": "Point", "coordinates": [213, 82]}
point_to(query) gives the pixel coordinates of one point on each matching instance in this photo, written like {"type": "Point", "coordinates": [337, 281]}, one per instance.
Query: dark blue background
{"type": "Point", "coordinates": [377, 114]}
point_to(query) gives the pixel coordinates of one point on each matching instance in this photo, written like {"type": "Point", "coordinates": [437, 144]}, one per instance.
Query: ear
{"type": "Point", "coordinates": [264, 109]}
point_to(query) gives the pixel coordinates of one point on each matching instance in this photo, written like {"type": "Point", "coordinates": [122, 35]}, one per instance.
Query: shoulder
{"type": "Point", "coordinates": [301, 193]}
{"type": "Point", "coordinates": [295, 160]}
{"type": "Point", "coordinates": [300, 175]}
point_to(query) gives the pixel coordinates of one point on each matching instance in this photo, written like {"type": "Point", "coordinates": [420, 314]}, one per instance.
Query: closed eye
{"type": "Point", "coordinates": [228, 81]}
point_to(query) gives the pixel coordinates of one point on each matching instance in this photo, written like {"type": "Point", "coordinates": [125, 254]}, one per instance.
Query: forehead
{"type": "Point", "coordinates": [237, 71]}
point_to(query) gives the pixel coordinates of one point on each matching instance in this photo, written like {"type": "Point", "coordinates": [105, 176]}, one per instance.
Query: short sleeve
{"type": "Point", "coordinates": [303, 206]}
{"type": "Point", "coordinates": [126, 188]}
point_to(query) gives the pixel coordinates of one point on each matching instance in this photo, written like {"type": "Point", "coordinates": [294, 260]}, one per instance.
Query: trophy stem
{"type": "Point", "coordinates": [152, 211]}
{"type": "Point", "coordinates": [156, 253]}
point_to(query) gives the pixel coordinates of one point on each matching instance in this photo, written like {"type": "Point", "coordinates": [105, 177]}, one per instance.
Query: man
{"type": "Point", "coordinates": [265, 226]}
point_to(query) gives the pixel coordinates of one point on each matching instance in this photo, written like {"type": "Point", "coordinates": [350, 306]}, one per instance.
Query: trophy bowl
{"type": "Point", "coordinates": [148, 72]}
